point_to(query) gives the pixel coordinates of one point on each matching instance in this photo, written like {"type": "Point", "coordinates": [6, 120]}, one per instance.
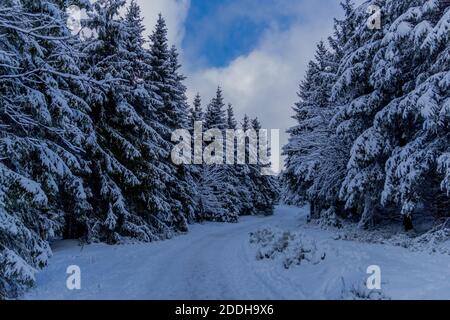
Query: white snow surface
{"type": "Point", "coordinates": [217, 261]}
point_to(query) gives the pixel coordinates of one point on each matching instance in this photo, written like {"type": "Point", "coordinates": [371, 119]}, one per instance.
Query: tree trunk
{"type": "Point", "coordinates": [312, 209]}
{"type": "Point", "coordinates": [407, 223]}
{"type": "Point", "coordinates": [367, 215]}
{"type": "Point", "coordinates": [314, 212]}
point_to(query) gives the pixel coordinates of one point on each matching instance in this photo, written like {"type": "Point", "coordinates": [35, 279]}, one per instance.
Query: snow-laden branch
{"type": "Point", "coordinates": [31, 33]}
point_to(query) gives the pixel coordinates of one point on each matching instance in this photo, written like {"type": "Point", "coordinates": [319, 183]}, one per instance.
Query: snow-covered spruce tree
{"type": "Point", "coordinates": [230, 190]}
{"type": "Point", "coordinates": [240, 172]}
{"type": "Point", "coordinates": [205, 177]}
{"type": "Point", "coordinates": [231, 119]}
{"type": "Point", "coordinates": [196, 113]}
{"type": "Point", "coordinates": [358, 101]}
{"type": "Point", "coordinates": [301, 151]}
{"type": "Point", "coordinates": [184, 188]}
{"type": "Point", "coordinates": [316, 159]}
{"type": "Point", "coordinates": [218, 187]}
{"type": "Point", "coordinates": [157, 202]}
{"type": "Point", "coordinates": [390, 95]}
{"type": "Point", "coordinates": [342, 31]}
{"type": "Point", "coordinates": [266, 192]}
{"type": "Point", "coordinates": [196, 116]}
{"type": "Point", "coordinates": [247, 174]}
{"type": "Point", "coordinates": [409, 136]}
{"type": "Point", "coordinates": [215, 116]}
{"type": "Point", "coordinates": [128, 178]}
{"type": "Point", "coordinates": [172, 114]}
{"type": "Point", "coordinates": [43, 130]}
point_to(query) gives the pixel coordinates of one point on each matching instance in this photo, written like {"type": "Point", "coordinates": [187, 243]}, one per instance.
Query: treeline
{"type": "Point", "coordinates": [85, 137]}
{"type": "Point", "coordinates": [372, 139]}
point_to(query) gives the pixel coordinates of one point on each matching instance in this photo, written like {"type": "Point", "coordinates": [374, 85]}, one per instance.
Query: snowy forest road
{"type": "Point", "coordinates": [217, 261]}
{"type": "Point", "coordinates": [212, 261]}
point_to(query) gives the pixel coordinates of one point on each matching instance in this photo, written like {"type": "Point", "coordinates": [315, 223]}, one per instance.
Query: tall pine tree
{"type": "Point", "coordinates": [172, 114]}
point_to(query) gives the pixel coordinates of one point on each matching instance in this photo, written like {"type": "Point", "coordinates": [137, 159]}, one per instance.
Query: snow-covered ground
{"type": "Point", "coordinates": [217, 261]}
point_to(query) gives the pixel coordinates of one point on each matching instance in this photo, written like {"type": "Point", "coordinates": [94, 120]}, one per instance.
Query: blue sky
{"type": "Point", "coordinates": [218, 31]}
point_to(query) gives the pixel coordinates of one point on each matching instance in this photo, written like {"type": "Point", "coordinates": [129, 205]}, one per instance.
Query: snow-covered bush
{"type": "Point", "coordinates": [330, 219]}
{"type": "Point", "coordinates": [435, 240]}
{"type": "Point", "coordinates": [358, 291]}
{"type": "Point", "coordinates": [292, 249]}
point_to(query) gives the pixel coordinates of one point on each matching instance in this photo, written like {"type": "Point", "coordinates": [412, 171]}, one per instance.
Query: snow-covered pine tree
{"type": "Point", "coordinates": [390, 98]}
{"type": "Point", "coordinates": [184, 189]}
{"type": "Point", "coordinates": [43, 131]}
{"type": "Point", "coordinates": [409, 136]}
{"type": "Point", "coordinates": [300, 161]}
{"type": "Point", "coordinates": [219, 196]}
{"type": "Point", "coordinates": [231, 119]}
{"type": "Point", "coordinates": [248, 172]}
{"type": "Point", "coordinates": [342, 31]}
{"type": "Point", "coordinates": [207, 197]}
{"type": "Point", "coordinates": [215, 116]}
{"type": "Point", "coordinates": [312, 172]}
{"type": "Point", "coordinates": [196, 113]}
{"type": "Point", "coordinates": [239, 174]}
{"type": "Point", "coordinates": [128, 179]}
{"type": "Point", "coordinates": [266, 190]}
{"type": "Point", "coordinates": [358, 102]}
{"type": "Point", "coordinates": [172, 114]}
{"type": "Point", "coordinates": [196, 116]}
{"type": "Point", "coordinates": [155, 202]}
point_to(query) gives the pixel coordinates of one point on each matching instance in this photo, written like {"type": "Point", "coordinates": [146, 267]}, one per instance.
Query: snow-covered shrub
{"type": "Point", "coordinates": [262, 236]}
{"type": "Point", "coordinates": [359, 291]}
{"type": "Point", "coordinates": [435, 240]}
{"type": "Point", "coordinates": [303, 249]}
{"type": "Point", "coordinates": [329, 218]}
{"type": "Point", "coordinates": [292, 248]}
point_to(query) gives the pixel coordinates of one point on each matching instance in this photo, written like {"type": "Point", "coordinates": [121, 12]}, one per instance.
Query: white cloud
{"type": "Point", "coordinates": [174, 12]}
{"type": "Point", "coordinates": [264, 83]}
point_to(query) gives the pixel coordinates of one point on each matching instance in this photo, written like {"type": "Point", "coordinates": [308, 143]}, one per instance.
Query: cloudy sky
{"type": "Point", "coordinates": [256, 50]}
